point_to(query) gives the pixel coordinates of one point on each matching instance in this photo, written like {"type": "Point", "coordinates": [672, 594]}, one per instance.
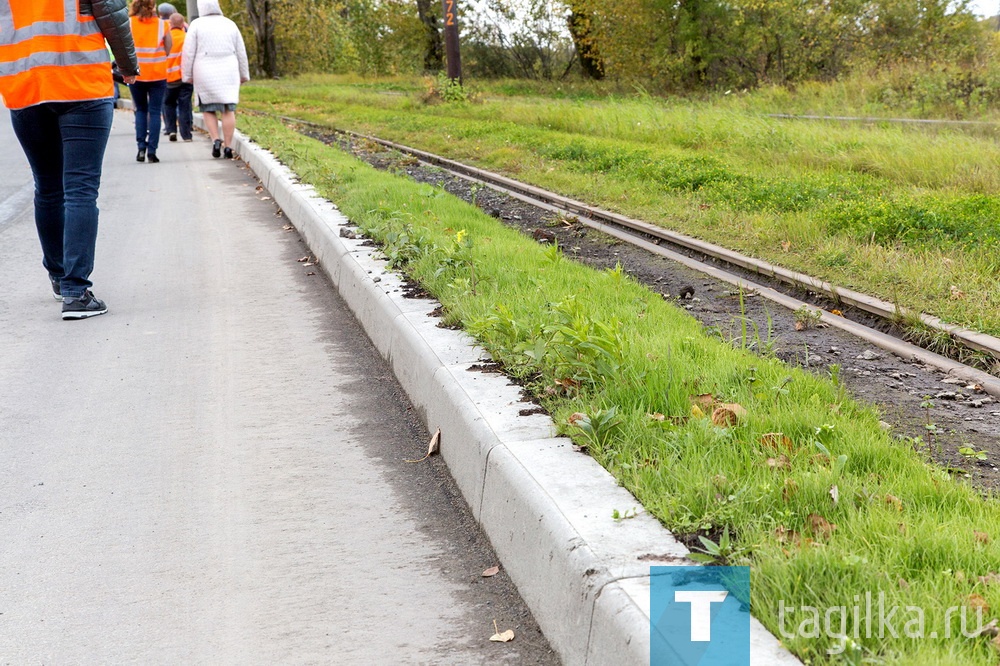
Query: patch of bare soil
{"type": "Point", "coordinates": [915, 400]}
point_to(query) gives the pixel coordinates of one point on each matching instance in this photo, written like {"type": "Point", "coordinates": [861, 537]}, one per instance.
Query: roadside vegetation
{"type": "Point", "coordinates": [771, 466]}
{"type": "Point", "coordinates": [909, 213]}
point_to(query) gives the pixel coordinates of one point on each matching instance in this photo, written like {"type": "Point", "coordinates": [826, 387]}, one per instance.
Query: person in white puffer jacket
{"type": "Point", "coordinates": [214, 59]}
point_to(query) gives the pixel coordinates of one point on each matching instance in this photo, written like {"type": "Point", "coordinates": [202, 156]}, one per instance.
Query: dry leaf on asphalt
{"type": "Point", "coordinates": [501, 637]}
{"type": "Point", "coordinates": [492, 571]}
{"type": "Point", "coordinates": [432, 447]}
{"type": "Point", "coordinates": [302, 259]}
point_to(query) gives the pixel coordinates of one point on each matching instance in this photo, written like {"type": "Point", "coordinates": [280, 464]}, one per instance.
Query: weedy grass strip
{"type": "Point", "coordinates": [902, 213]}
{"type": "Point", "coordinates": [800, 479]}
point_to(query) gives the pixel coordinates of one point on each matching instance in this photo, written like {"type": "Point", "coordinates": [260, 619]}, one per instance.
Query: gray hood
{"type": "Point", "coordinates": [206, 7]}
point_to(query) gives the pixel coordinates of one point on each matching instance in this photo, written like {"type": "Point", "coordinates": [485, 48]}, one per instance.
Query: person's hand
{"type": "Point", "coordinates": [129, 80]}
{"type": "Point", "coordinates": [242, 80]}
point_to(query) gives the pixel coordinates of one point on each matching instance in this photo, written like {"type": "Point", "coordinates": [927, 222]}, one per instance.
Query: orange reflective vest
{"type": "Point", "coordinates": [174, 59]}
{"type": "Point", "coordinates": [49, 53]}
{"type": "Point", "coordinates": [148, 35]}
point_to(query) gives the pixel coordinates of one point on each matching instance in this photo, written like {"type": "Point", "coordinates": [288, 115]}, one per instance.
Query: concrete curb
{"type": "Point", "coordinates": [546, 509]}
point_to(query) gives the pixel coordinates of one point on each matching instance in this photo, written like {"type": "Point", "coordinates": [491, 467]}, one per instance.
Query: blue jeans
{"type": "Point", "coordinates": [147, 100]}
{"type": "Point", "coordinates": [178, 109]}
{"type": "Point", "coordinates": [64, 143]}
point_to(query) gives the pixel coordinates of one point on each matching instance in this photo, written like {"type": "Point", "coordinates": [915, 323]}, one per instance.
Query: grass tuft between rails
{"type": "Point", "coordinates": [821, 501]}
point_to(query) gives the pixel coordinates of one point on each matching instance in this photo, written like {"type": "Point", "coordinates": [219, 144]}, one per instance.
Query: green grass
{"type": "Point", "coordinates": [598, 344]}
{"type": "Point", "coordinates": [864, 207]}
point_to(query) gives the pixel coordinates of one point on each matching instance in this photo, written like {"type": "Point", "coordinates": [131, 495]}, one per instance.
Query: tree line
{"type": "Point", "coordinates": [666, 45]}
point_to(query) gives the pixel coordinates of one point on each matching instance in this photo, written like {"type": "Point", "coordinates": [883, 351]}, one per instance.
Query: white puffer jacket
{"type": "Point", "coordinates": [214, 58]}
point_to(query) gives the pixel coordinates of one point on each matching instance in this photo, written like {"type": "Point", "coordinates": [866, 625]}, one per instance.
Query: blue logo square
{"type": "Point", "coordinates": [699, 616]}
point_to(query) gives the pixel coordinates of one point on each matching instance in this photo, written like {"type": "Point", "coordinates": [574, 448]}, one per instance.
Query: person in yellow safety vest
{"type": "Point", "coordinates": [177, 108]}
{"type": "Point", "coordinates": [152, 46]}
{"type": "Point", "coordinates": [55, 77]}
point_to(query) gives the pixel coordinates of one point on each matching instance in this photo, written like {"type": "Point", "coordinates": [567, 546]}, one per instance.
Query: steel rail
{"type": "Point", "coordinates": [632, 231]}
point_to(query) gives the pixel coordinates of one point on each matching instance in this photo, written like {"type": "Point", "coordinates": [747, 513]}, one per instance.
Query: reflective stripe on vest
{"type": "Point", "coordinates": [49, 53]}
{"type": "Point", "coordinates": [148, 35]}
{"type": "Point", "coordinates": [174, 59]}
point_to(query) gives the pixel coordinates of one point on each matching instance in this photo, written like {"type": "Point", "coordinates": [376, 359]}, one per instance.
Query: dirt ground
{"type": "Point", "coordinates": [914, 399]}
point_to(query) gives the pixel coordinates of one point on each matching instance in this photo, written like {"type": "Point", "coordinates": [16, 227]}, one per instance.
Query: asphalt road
{"type": "Point", "coordinates": [215, 471]}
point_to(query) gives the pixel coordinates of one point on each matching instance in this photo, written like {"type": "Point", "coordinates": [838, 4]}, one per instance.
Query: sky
{"type": "Point", "coordinates": [985, 7]}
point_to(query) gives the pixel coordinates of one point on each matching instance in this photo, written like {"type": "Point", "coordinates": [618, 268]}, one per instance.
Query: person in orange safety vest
{"type": "Point", "coordinates": [177, 107]}
{"type": "Point", "coordinates": [152, 46]}
{"type": "Point", "coordinates": [55, 77]}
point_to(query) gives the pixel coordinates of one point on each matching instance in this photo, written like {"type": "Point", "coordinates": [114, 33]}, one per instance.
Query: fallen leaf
{"type": "Point", "coordinates": [799, 326]}
{"type": "Point", "coordinates": [503, 637]}
{"type": "Point", "coordinates": [305, 258]}
{"type": "Point", "coordinates": [990, 579]}
{"type": "Point", "coordinates": [265, 198]}
{"type": "Point", "coordinates": [834, 494]}
{"type": "Point", "coordinates": [989, 629]}
{"type": "Point", "coordinates": [574, 417]}
{"type": "Point", "coordinates": [432, 446]}
{"type": "Point", "coordinates": [703, 400]}
{"type": "Point", "coordinates": [786, 246]}
{"type": "Point", "coordinates": [492, 571]}
{"type": "Point", "coordinates": [892, 500]}
{"type": "Point", "coordinates": [837, 312]}
{"type": "Point", "coordinates": [977, 602]}
{"type": "Point", "coordinates": [781, 462]}
{"type": "Point", "coordinates": [777, 440]}
{"type": "Point", "coordinates": [956, 293]}
{"type": "Point", "coordinates": [696, 412]}
{"type": "Point", "coordinates": [657, 416]}
{"type": "Point", "coordinates": [728, 414]}
{"type": "Point", "coordinates": [820, 526]}
{"type": "Point", "coordinates": [981, 537]}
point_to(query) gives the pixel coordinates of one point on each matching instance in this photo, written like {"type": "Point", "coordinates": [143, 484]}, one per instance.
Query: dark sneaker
{"type": "Point", "coordinates": [227, 153]}
{"type": "Point", "coordinates": [153, 159]}
{"type": "Point", "coordinates": [173, 136]}
{"type": "Point", "coordinates": [217, 148]}
{"type": "Point", "coordinates": [83, 307]}
{"type": "Point", "coordinates": [141, 156]}
{"type": "Point", "coordinates": [56, 290]}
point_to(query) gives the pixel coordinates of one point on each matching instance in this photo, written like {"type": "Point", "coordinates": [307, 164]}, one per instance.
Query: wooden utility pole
{"type": "Point", "coordinates": [452, 55]}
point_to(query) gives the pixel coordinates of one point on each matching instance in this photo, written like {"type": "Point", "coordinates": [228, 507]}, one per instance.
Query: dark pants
{"type": "Point", "coordinates": [64, 143]}
{"type": "Point", "coordinates": [177, 109]}
{"type": "Point", "coordinates": [147, 100]}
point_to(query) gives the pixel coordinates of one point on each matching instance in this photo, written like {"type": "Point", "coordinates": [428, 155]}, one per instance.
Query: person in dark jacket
{"type": "Point", "coordinates": [59, 91]}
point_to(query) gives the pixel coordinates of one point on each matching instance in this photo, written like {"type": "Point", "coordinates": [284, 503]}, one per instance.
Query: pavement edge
{"type": "Point", "coordinates": [546, 509]}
